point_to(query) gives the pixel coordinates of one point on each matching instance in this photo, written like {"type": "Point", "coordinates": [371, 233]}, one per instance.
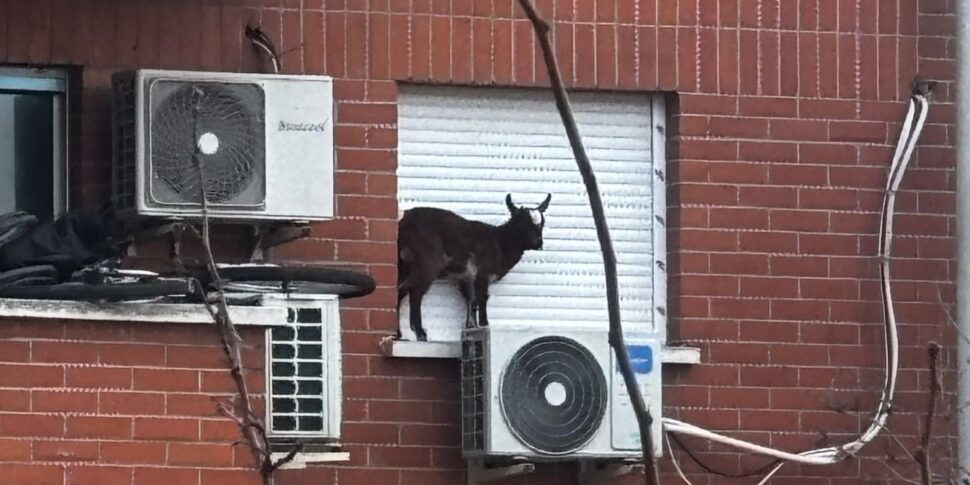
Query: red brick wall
{"type": "Point", "coordinates": [782, 125]}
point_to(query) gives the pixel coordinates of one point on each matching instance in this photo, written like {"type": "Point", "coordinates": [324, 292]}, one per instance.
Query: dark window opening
{"type": "Point", "coordinates": [32, 141]}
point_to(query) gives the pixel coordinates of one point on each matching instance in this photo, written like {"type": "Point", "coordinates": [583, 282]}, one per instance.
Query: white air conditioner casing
{"type": "Point", "coordinates": [267, 141]}
{"type": "Point", "coordinates": [530, 391]}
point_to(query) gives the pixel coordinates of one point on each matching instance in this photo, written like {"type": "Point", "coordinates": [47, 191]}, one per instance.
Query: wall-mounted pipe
{"type": "Point", "coordinates": [963, 234]}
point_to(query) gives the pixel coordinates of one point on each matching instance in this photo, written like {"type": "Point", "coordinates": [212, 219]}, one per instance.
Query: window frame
{"type": "Point", "coordinates": [331, 358]}
{"type": "Point", "coordinates": [55, 82]}
{"type": "Point", "coordinates": [655, 104]}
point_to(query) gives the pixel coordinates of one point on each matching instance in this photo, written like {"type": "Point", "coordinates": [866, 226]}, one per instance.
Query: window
{"type": "Point", "coordinates": [304, 374]}
{"type": "Point", "coordinates": [33, 141]}
{"type": "Point", "coordinates": [463, 149]}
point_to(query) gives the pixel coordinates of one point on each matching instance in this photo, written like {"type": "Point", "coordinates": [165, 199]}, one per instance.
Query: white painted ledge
{"type": "Point", "coordinates": [135, 312]}
{"type": "Point", "coordinates": [391, 347]}
{"type": "Point", "coordinates": [304, 460]}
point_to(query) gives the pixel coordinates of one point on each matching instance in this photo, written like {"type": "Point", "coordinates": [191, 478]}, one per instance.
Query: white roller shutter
{"type": "Point", "coordinates": [463, 149]}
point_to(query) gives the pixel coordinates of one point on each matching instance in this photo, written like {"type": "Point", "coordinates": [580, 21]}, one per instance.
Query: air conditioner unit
{"type": "Point", "coordinates": [264, 144]}
{"type": "Point", "coordinates": [552, 393]}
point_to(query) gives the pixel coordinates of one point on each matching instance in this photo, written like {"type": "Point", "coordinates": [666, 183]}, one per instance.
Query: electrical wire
{"type": "Point", "coordinates": [709, 469]}
{"type": "Point", "coordinates": [911, 130]}
{"type": "Point", "coordinates": [673, 459]}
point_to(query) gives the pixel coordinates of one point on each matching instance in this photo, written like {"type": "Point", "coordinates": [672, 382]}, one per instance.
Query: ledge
{"type": "Point", "coordinates": [304, 460]}
{"type": "Point", "coordinates": [136, 312]}
{"type": "Point", "coordinates": [391, 347]}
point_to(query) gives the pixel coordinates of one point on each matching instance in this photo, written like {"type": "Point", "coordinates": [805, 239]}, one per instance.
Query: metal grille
{"type": "Point", "coordinates": [298, 374]}
{"type": "Point", "coordinates": [228, 120]}
{"type": "Point", "coordinates": [124, 138]}
{"type": "Point", "coordinates": [554, 395]}
{"type": "Point", "coordinates": [473, 392]}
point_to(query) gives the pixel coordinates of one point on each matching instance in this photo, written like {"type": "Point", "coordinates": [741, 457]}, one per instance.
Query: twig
{"type": "Point", "coordinates": [603, 233]}
{"type": "Point", "coordinates": [896, 472]}
{"type": "Point", "coordinates": [923, 453]}
{"type": "Point", "coordinates": [949, 316]}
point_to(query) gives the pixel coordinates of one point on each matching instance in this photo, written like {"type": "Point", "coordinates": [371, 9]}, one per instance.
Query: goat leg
{"type": "Point", "coordinates": [481, 300]}
{"type": "Point", "coordinates": [415, 302]}
{"type": "Point", "coordinates": [468, 293]}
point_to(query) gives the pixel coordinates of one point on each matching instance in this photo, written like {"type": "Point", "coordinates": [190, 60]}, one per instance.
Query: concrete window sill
{"type": "Point", "coordinates": [304, 460]}
{"type": "Point", "coordinates": [129, 312]}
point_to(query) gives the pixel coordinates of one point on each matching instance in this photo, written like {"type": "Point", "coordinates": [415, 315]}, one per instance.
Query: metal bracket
{"type": "Point", "coordinates": [268, 237]}
{"type": "Point", "coordinates": [480, 472]}
{"type": "Point", "coordinates": [597, 473]}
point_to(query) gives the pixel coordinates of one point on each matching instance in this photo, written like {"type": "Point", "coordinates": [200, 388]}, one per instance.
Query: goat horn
{"type": "Point", "coordinates": [508, 203]}
{"type": "Point", "coordinates": [545, 204]}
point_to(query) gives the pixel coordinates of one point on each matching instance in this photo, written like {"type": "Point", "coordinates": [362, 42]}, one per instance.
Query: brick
{"type": "Point", "coordinates": [98, 427]}
{"type": "Point", "coordinates": [400, 411]}
{"type": "Point", "coordinates": [192, 405]}
{"type": "Point", "coordinates": [769, 376]}
{"type": "Point", "coordinates": [194, 357]}
{"type": "Point", "coordinates": [132, 354]}
{"type": "Point", "coordinates": [14, 450]}
{"type": "Point", "coordinates": [31, 425]}
{"type": "Point", "coordinates": [96, 475]}
{"type": "Point", "coordinates": [768, 242]}
{"type": "Point", "coordinates": [740, 218]}
{"type": "Point", "coordinates": [373, 433]}
{"type": "Point", "coordinates": [24, 474]}
{"type": "Point", "coordinates": [769, 287]}
{"type": "Point", "coordinates": [410, 457]}
{"type": "Point", "coordinates": [66, 352]}
{"type": "Point", "coordinates": [14, 375]}
{"type": "Point", "coordinates": [65, 451]}
{"type": "Point", "coordinates": [206, 455]}
{"type": "Point", "coordinates": [99, 377]}
{"type": "Point", "coordinates": [739, 263]}
{"type": "Point", "coordinates": [163, 476]}
{"type": "Point", "coordinates": [769, 420]}
{"type": "Point", "coordinates": [133, 452]}
{"type": "Point", "coordinates": [165, 380]}
{"type": "Point", "coordinates": [738, 353]}
{"type": "Point", "coordinates": [740, 397]}
{"type": "Point", "coordinates": [782, 197]}
{"type": "Point", "coordinates": [219, 430]}
{"type": "Point", "coordinates": [54, 401]}
{"type": "Point", "coordinates": [12, 351]}
{"type": "Point", "coordinates": [739, 308]}
{"type": "Point", "coordinates": [230, 477]}
{"type": "Point", "coordinates": [768, 331]}
{"type": "Point", "coordinates": [14, 400]}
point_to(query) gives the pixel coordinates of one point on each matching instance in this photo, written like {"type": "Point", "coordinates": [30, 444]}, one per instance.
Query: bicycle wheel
{"type": "Point", "coordinates": [295, 279]}
{"type": "Point", "coordinates": [143, 290]}
{"type": "Point", "coordinates": [29, 276]}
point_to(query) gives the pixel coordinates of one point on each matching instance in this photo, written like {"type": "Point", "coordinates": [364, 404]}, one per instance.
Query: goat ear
{"type": "Point", "coordinates": [509, 204]}
{"type": "Point", "coordinates": [545, 204]}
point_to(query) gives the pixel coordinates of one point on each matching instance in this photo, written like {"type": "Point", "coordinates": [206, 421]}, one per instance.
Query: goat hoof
{"type": "Point", "coordinates": [422, 337]}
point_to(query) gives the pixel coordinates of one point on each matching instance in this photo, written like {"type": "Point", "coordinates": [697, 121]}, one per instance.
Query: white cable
{"type": "Point", "coordinates": [771, 473]}
{"type": "Point", "coordinates": [673, 459]}
{"type": "Point", "coordinates": [830, 455]}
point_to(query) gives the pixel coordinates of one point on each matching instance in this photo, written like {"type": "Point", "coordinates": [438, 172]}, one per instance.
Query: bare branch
{"type": "Point", "coordinates": [606, 245]}
{"type": "Point", "coordinates": [297, 447]}
{"type": "Point", "coordinates": [936, 386]}
{"type": "Point", "coordinates": [250, 425]}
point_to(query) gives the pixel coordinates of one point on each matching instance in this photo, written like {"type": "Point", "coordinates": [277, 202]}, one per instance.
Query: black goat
{"type": "Point", "coordinates": [434, 243]}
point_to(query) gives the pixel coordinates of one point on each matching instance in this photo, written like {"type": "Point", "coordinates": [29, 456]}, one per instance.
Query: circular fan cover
{"type": "Point", "coordinates": [553, 395]}
{"type": "Point", "coordinates": [228, 131]}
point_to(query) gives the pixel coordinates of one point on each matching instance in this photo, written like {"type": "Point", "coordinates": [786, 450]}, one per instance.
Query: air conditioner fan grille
{"type": "Point", "coordinates": [228, 129]}
{"type": "Point", "coordinates": [554, 395]}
